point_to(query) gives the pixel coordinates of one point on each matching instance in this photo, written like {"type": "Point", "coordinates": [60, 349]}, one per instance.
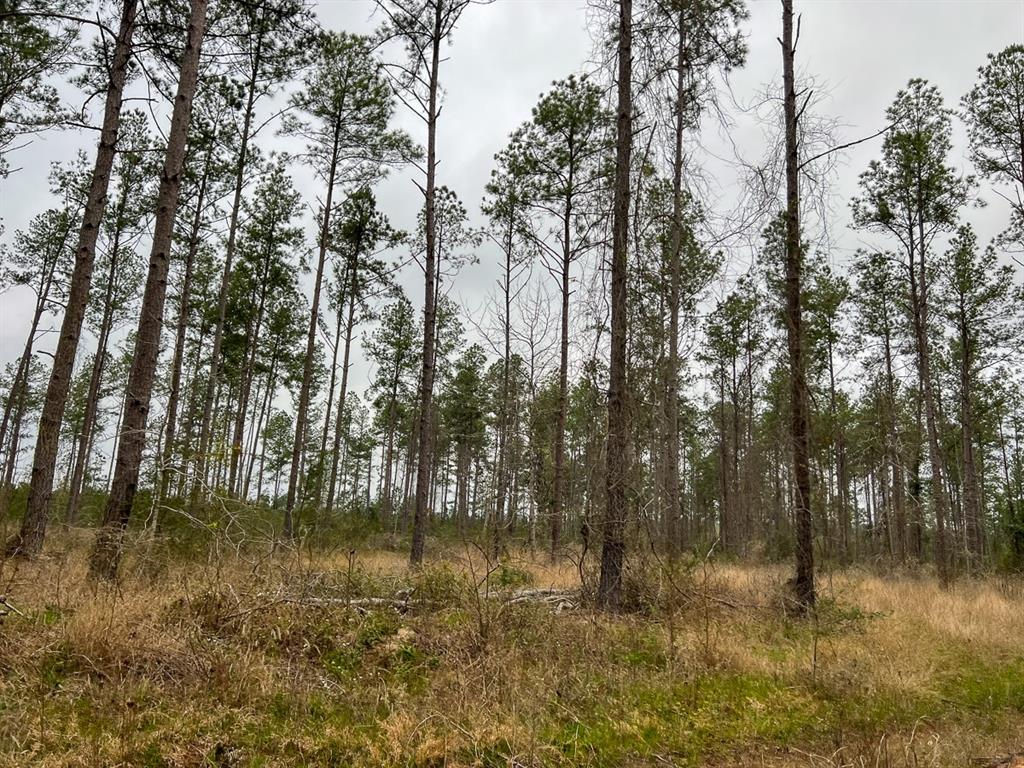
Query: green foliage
{"type": "Point", "coordinates": [833, 617]}
{"type": "Point", "coordinates": [439, 584]}
{"type": "Point", "coordinates": [994, 113]}
{"type": "Point", "coordinates": [33, 48]}
{"type": "Point", "coordinates": [376, 628]}
{"type": "Point", "coordinates": [912, 192]}
{"type": "Point", "coordinates": [344, 111]}
{"type": "Point", "coordinates": [464, 400]}
{"type": "Point", "coordinates": [977, 296]}
{"type": "Point", "coordinates": [509, 577]}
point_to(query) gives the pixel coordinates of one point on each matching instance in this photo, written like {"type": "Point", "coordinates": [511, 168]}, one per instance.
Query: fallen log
{"type": "Point", "coordinates": [1015, 760]}
{"type": "Point", "coordinates": [400, 604]}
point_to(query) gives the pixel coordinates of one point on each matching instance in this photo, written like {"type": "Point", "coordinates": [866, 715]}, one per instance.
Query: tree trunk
{"type": "Point", "coordinates": [268, 396]}
{"type": "Point", "coordinates": [613, 547]}
{"type": "Point", "coordinates": [107, 550]}
{"type": "Point", "coordinates": [213, 381]}
{"type": "Point", "coordinates": [892, 452]}
{"type": "Point", "coordinates": [503, 419]}
{"type": "Point", "coordinates": [919, 299]}
{"type": "Point", "coordinates": [191, 386]}
{"type": "Point", "coordinates": [171, 422]}
{"type": "Point", "coordinates": [388, 464]}
{"type": "Point", "coordinates": [1017, 537]}
{"type": "Point", "coordinates": [248, 375]}
{"type": "Point", "coordinates": [839, 457]}
{"type": "Point", "coordinates": [7, 481]}
{"type": "Point", "coordinates": [353, 289]}
{"type": "Point", "coordinates": [328, 410]}
{"type": "Point", "coordinates": [671, 470]}
{"type": "Point", "coordinates": [803, 583]}
{"type": "Point", "coordinates": [558, 479]}
{"type": "Point", "coordinates": [426, 388]}
{"type": "Point", "coordinates": [387, 492]}
{"type": "Point", "coordinates": [408, 480]}
{"type": "Point", "coordinates": [42, 297]}
{"type": "Point", "coordinates": [725, 498]}
{"type": "Point", "coordinates": [462, 488]}
{"type": "Point", "coordinates": [736, 542]}
{"type": "Point", "coordinates": [29, 540]}
{"type": "Point", "coordinates": [246, 379]}
{"type": "Point", "coordinates": [19, 386]}
{"type": "Point", "coordinates": [307, 370]}
{"type": "Point", "coordinates": [917, 524]}
{"type": "Point", "coordinates": [92, 400]}
{"type": "Point", "coordinates": [972, 508]}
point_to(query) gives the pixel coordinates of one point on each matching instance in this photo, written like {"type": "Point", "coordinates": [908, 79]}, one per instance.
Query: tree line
{"type": "Point", "coordinates": [608, 399]}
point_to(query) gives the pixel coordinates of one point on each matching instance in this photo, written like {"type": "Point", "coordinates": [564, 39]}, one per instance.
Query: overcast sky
{"type": "Point", "coordinates": [507, 53]}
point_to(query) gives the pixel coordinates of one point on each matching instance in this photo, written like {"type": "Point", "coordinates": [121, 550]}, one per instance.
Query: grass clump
{"type": "Point", "coordinates": [288, 663]}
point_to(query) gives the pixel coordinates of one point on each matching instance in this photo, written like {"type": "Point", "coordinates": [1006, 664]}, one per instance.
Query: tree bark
{"type": "Point", "coordinates": [307, 369]}
{"type": "Point", "coordinates": [93, 397]}
{"type": "Point", "coordinates": [330, 404]}
{"type": "Point", "coordinates": [724, 483]}
{"type": "Point", "coordinates": [613, 547]}
{"type": "Point", "coordinates": [462, 459]}
{"type": "Point", "coordinates": [265, 408]}
{"type": "Point", "coordinates": [248, 374]}
{"type": "Point", "coordinates": [426, 387]}
{"type": "Point", "coordinates": [919, 299]}
{"type": "Point", "coordinates": [171, 422]}
{"type": "Point", "coordinates": [839, 457]}
{"type": "Point", "coordinates": [106, 552]}
{"type": "Point", "coordinates": [7, 480]}
{"type": "Point", "coordinates": [213, 381]}
{"type": "Point", "coordinates": [353, 289]}
{"type": "Point", "coordinates": [29, 539]}
{"type": "Point", "coordinates": [972, 507]}
{"type": "Point", "coordinates": [558, 477]}
{"type": "Point", "coordinates": [899, 521]}
{"type": "Point", "coordinates": [671, 471]}
{"type": "Point", "coordinates": [803, 583]}
{"type": "Point", "coordinates": [42, 297]}
{"type": "Point", "coordinates": [503, 418]}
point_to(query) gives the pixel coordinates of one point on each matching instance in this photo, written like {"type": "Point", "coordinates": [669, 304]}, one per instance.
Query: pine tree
{"type": "Point", "coordinates": [362, 230]}
{"type": "Point", "coordinates": [347, 107]}
{"type": "Point", "coordinates": [29, 539]}
{"type": "Point", "coordinates": [135, 172]}
{"type": "Point", "coordinates": [994, 113]}
{"type": "Point", "coordinates": [613, 541]}
{"type": "Point", "coordinates": [423, 26]}
{"type": "Point", "coordinates": [803, 583]}
{"type": "Point", "coordinates": [272, 46]}
{"type": "Point", "coordinates": [978, 299]}
{"type": "Point", "coordinates": [35, 45]}
{"type": "Point", "coordinates": [463, 407]}
{"type": "Point", "coordinates": [392, 348]}
{"type": "Point", "coordinates": [564, 153]}
{"type": "Point", "coordinates": [912, 196]}
{"type": "Point", "coordinates": [106, 553]}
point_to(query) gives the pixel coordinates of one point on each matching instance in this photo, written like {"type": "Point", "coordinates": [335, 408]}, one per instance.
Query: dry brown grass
{"type": "Point", "coordinates": [233, 661]}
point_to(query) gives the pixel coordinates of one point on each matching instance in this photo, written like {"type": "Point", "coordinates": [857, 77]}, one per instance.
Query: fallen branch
{"type": "Point", "coordinates": [526, 594]}
{"type": "Point", "coordinates": [1015, 760]}
{"type": "Point", "coordinates": [559, 599]}
{"type": "Point", "coordinates": [6, 607]}
{"type": "Point", "coordinates": [400, 604]}
{"type": "Point", "coordinates": [697, 597]}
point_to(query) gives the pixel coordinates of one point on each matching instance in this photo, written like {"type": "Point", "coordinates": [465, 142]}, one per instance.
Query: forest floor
{"type": "Point", "coordinates": [350, 659]}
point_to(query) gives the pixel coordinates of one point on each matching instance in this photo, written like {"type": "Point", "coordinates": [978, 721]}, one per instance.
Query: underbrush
{"type": "Point", "coordinates": [348, 658]}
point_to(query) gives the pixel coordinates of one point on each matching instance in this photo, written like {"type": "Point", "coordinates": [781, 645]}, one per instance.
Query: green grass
{"type": "Point", "coordinates": [220, 673]}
